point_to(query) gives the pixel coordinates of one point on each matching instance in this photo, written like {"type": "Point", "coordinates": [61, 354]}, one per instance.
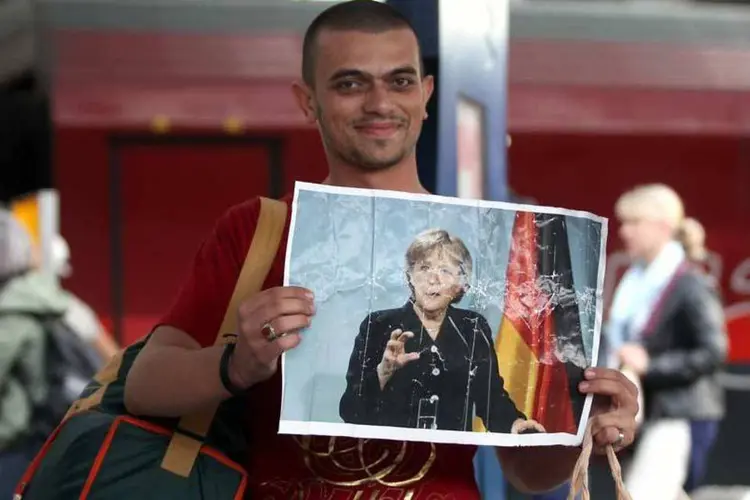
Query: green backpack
{"type": "Point", "coordinates": [100, 451]}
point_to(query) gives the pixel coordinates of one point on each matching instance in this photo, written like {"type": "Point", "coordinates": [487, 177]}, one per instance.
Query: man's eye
{"type": "Point", "coordinates": [347, 85]}
{"type": "Point", "coordinates": [403, 82]}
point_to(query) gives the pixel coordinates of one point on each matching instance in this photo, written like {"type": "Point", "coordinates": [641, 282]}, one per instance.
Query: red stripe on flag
{"type": "Point", "coordinates": [529, 309]}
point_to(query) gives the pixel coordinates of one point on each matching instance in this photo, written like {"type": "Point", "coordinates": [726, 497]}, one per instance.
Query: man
{"type": "Point", "coordinates": [364, 89]}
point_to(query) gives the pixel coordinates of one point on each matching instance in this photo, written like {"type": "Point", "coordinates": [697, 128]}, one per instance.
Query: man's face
{"type": "Point", "coordinates": [369, 98]}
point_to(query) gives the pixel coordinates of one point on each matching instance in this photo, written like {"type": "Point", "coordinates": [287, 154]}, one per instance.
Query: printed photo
{"type": "Point", "coordinates": [442, 319]}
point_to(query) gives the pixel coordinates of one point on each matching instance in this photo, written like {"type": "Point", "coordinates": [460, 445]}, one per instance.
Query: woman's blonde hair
{"type": "Point", "coordinates": [661, 202]}
{"type": "Point", "coordinates": [692, 236]}
{"type": "Point", "coordinates": [653, 202]}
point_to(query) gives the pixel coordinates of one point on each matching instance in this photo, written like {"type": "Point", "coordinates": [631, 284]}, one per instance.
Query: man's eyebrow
{"type": "Point", "coordinates": [404, 70]}
{"type": "Point", "coordinates": [348, 73]}
{"type": "Point", "coordinates": [356, 73]}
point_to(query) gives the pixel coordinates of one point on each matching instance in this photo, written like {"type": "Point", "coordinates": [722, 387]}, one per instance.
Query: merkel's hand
{"type": "Point", "coordinates": [520, 426]}
{"type": "Point", "coordinates": [269, 324]}
{"type": "Point", "coordinates": [614, 410]}
{"type": "Point", "coordinates": [395, 356]}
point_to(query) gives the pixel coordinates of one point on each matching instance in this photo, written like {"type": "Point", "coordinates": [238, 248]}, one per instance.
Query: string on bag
{"type": "Point", "coordinates": [579, 480]}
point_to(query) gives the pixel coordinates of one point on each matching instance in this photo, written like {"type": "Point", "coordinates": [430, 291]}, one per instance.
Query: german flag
{"type": "Point", "coordinates": [540, 332]}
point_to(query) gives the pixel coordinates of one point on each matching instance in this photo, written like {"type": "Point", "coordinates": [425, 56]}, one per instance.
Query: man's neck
{"type": "Point", "coordinates": [402, 177]}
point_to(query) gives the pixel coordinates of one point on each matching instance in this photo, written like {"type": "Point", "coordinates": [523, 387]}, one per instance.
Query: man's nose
{"type": "Point", "coordinates": [378, 100]}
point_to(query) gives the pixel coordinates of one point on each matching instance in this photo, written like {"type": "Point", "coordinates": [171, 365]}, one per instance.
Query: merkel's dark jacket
{"type": "Point", "coordinates": [455, 378]}
{"type": "Point", "coordinates": [687, 345]}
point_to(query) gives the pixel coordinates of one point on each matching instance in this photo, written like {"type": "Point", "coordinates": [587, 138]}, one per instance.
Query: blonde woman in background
{"type": "Point", "coordinates": [703, 432]}
{"type": "Point", "coordinates": [667, 328]}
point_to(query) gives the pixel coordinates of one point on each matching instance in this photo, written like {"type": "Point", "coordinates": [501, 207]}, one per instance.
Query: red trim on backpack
{"type": "Point", "coordinates": [34, 465]}
{"type": "Point", "coordinates": [101, 455]}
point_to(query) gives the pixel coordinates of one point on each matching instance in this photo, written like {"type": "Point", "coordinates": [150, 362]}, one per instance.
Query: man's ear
{"type": "Point", "coordinates": [428, 84]}
{"type": "Point", "coordinates": [304, 97]}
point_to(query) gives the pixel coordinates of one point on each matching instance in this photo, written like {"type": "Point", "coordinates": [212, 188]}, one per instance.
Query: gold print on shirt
{"type": "Point", "coordinates": [355, 469]}
{"type": "Point", "coordinates": [359, 462]}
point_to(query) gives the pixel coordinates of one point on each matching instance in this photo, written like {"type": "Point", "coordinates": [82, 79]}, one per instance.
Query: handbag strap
{"type": "Point", "coordinates": [579, 481]}
{"type": "Point", "coordinates": [187, 440]}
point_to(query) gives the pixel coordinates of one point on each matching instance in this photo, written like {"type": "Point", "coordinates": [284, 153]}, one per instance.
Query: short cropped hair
{"type": "Point", "coordinates": [439, 239]}
{"type": "Point", "coordinates": [355, 15]}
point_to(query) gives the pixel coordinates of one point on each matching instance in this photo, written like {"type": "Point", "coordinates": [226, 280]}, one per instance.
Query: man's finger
{"type": "Point", "coordinates": [289, 341]}
{"type": "Point", "coordinates": [395, 333]}
{"type": "Point", "coordinates": [287, 324]}
{"type": "Point", "coordinates": [592, 374]}
{"type": "Point", "coordinates": [287, 306]}
{"type": "Point", "coordinates": [619, 419]}
{"type": "Point", "coordinates": [615, 389]}
{"type": "Point", "coordinates": [611, 436]}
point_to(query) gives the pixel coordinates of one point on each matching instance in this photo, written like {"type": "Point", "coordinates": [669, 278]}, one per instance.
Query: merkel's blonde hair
{"type": "Point", "coordinates": [653, 202]}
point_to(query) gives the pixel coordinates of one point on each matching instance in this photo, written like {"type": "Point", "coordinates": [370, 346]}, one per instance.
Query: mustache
{"type": "Point", "coordinates": [384, 120]}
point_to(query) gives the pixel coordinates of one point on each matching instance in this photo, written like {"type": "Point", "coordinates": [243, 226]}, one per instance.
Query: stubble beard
{"type": "Point", "coordinates": [357, 157]}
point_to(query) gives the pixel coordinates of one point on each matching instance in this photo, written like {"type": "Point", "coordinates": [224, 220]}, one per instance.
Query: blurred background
{"type": "Point", "coordinates": [127, 123]}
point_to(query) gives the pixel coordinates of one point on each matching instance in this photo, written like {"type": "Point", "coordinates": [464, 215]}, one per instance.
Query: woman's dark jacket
{"type": "Point", "coordinates": [687, 344]}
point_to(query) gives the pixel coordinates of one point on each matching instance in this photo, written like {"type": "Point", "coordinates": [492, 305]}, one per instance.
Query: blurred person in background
{"type": "Point", "coordinates": [79, 316]}
{"type": "Point", "coordinates": [703, 432]}
{"type": "Point", "coordinates": [667, 328]}
{"type": "Point", "coordinates": [26, 299]}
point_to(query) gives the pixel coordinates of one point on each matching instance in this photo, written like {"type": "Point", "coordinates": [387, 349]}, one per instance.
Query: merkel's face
{"type": "Point", "coordinates": [436, 280]}
{"type": "Point", "coordinates": [370, 96]}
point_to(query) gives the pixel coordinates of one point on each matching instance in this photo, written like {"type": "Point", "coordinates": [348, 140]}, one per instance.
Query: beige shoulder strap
{"type": "Point", "coordinates": [184, 447]}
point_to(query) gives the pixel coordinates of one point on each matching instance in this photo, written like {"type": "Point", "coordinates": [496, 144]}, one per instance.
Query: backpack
{"type": "Point", "coordinates": [70, 363]}
{"type": "Point", "coordinates": [101, 452]}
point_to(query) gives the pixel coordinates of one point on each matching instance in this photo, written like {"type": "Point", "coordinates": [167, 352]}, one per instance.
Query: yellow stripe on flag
{"type": "Point", "coordinates": [518, 366]}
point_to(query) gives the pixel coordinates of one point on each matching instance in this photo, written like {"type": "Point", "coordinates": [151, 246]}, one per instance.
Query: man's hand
{"type": "Point", "coordinates": [614, 410]}
{"type": "Point", "coordinates": [635, 357]}
{"type": "Point", "coordinates": [520, 426]}
{"type": "Point", "coordinates": [395, 356]}
{"type": "Point", "coordinates": [287, 311]}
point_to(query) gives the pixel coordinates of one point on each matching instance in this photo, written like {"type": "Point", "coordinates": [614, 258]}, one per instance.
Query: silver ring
{"type": "Point", "coordinates": [269, 333]}
{"type": "Point", "coordinates": [620, 439]}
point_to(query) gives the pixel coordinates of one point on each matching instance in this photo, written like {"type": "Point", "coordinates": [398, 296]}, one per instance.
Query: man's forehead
{"type": "Point", "coordinates": [370, 52]}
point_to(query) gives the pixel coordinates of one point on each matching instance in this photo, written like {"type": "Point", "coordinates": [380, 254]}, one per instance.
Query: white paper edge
{"type": "Point", "coordinates": [302, 428]}
{"type": "Point", "coordinates": [446, 200]}
{"type": "Point", "coordinates": [287, 262]}
{"type": "Point", "coordinates": [298, 428]}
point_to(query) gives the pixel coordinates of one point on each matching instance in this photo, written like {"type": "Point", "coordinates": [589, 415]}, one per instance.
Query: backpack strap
{"type": "Point", "coordinates": [187, 440]}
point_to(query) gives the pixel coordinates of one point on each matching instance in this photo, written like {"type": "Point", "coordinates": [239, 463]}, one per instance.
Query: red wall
{"type": "Point", "coordinates": [632, 113]}
{"type": "Point", "coordinates": [711, 173]}
{"type": "Point", "coordinates": [171, 196]}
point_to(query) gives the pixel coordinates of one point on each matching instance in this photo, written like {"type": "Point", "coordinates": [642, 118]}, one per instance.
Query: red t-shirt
{"type": "Point", "coordinates": [311, 468]}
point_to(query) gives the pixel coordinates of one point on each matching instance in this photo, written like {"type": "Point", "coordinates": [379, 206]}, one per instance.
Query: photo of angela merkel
{"type": "Point", "coordinates": [429, 364]}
